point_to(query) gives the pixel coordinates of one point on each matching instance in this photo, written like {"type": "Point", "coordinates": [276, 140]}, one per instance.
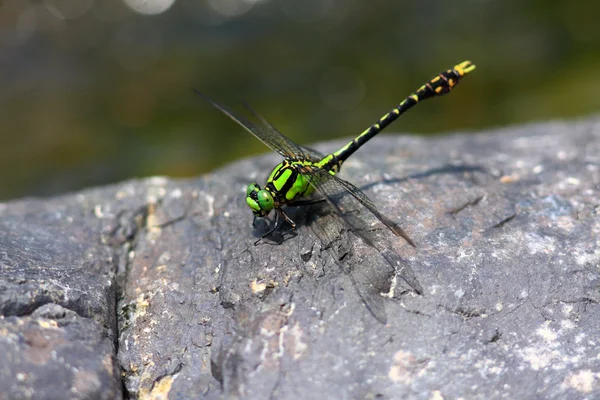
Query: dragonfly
{"type": "Point", "coordinates": [305, 171]}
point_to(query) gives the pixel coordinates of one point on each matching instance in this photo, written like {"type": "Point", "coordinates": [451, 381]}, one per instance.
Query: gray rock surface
{"type": "Point", "coordinates": [164, 276]}
{"type": "Point", "coordinates": [53, 353]}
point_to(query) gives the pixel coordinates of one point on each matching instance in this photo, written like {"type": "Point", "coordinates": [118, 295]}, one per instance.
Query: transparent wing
{"type": "Point", "coordinates": [302, 152]}
{"type": "Point", "coordinates": [345, 199]}
{"type": "Point", "coordinates": [276, 141]}
{"type": "Point", "coordinates": [269, 135]}
{"type": "Point", "coordinates": [370, 280]}
{"type": "Point", "coordinates": [339, 193]}
{"type": "Point", "coordinates": [370, 297]}
{"type": "Point", "coordinates": [401, 267]}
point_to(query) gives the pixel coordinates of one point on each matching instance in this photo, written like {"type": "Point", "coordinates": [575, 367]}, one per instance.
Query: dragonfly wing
{"type": "Point", "coordinates": [343, 196]}
{"type": "Point", "coordinates": [368, 281]}
{"type": "Point", "coordinates": [369, 296]}
{"type": "Point", "coordinates": [301, 152]}
{"type": "Point", "coordinates": [403, 270]}
{"type": "Point", "coordinates": [274, 140]}
{"type": "Point", "coordinates": [337, 191]}
{"type": "Point", "coordinates": [313, 154]}
{"type": "Point", "coordinates": [365, 201]}
{"type": "Point", "coordinates": [359, 228]}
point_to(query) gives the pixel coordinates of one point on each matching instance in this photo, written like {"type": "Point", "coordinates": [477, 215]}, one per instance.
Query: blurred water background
{"type": "Point", "coordinates": [97, 91]}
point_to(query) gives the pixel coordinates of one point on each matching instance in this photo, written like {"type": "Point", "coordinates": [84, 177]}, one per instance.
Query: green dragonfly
{"type": "Point", "coordinates": [304, 171]}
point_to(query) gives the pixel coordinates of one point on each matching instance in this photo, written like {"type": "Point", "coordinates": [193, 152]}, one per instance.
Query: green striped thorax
{"type": "Point", "coordinates": [284, 185]}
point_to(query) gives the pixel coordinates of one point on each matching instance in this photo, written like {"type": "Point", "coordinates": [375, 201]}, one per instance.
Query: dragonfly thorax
{"type": "Point", "coordinates": [259, 200]}
{"type": "Point", "coordinates": [285, 185]}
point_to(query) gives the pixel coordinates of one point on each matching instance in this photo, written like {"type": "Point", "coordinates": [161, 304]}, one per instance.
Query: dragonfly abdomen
{"type": "Point", "coordinates": [346, 151]}
{"type": "Point", "coordinates": [437, 86]}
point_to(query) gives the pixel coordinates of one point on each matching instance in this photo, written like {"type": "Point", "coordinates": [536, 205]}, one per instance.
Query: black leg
{"type": "Point", "coordinates": [279, 213]}
{"type": "Point", "coordinates": [288, 219]}
{"type": "Point", "coordinates": [275, 226]}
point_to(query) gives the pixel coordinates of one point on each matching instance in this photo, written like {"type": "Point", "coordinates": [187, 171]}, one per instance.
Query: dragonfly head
{"type": "Point", "coordinates": [259, 200]}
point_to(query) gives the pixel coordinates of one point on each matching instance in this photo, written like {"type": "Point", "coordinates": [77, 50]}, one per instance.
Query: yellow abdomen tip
{"type": "Point", "coordinates": [464, 67]}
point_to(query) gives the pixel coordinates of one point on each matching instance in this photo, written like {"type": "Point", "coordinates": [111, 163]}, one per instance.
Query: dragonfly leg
{"type": "Point", "coordinates": [288, 219]}
{"type": "Point", "coordinates": [275, 225]}
{"type": "Point", "coordinates": [278, 214]}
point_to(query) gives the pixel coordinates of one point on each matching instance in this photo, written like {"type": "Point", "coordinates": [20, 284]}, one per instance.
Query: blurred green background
{"type": "Point", "coordinates": [97, 91]}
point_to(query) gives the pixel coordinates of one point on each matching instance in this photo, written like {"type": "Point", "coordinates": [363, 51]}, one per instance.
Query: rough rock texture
{"type": "Point", "coordinates": [54, 353]}
{"type": "Point", "coordinates": [507, 227]}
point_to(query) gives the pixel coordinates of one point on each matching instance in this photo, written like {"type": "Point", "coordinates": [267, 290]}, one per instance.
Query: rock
{"type": "Point", "coordinates": [506, 225]}
{"type": "Point", "coordinates": [54, 353]}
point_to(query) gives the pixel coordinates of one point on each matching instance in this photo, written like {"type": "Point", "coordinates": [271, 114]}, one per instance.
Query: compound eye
{"type": "Point", "coordinates": [254, 206]}
{"type": "Point", "coordinates": [265, 200]}
{"type": "Point", "coordinates": [253, 188]}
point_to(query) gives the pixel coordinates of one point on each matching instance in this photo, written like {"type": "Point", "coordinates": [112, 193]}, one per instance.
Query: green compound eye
{"type": "Point", "coordinates": [265, 201]}
{"type": "Point", "coordinates": [259, 200]}
{"type": "Point", "coordinates": [253, 205]}
{"type": "Point", "coordinates": [253, 187]}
